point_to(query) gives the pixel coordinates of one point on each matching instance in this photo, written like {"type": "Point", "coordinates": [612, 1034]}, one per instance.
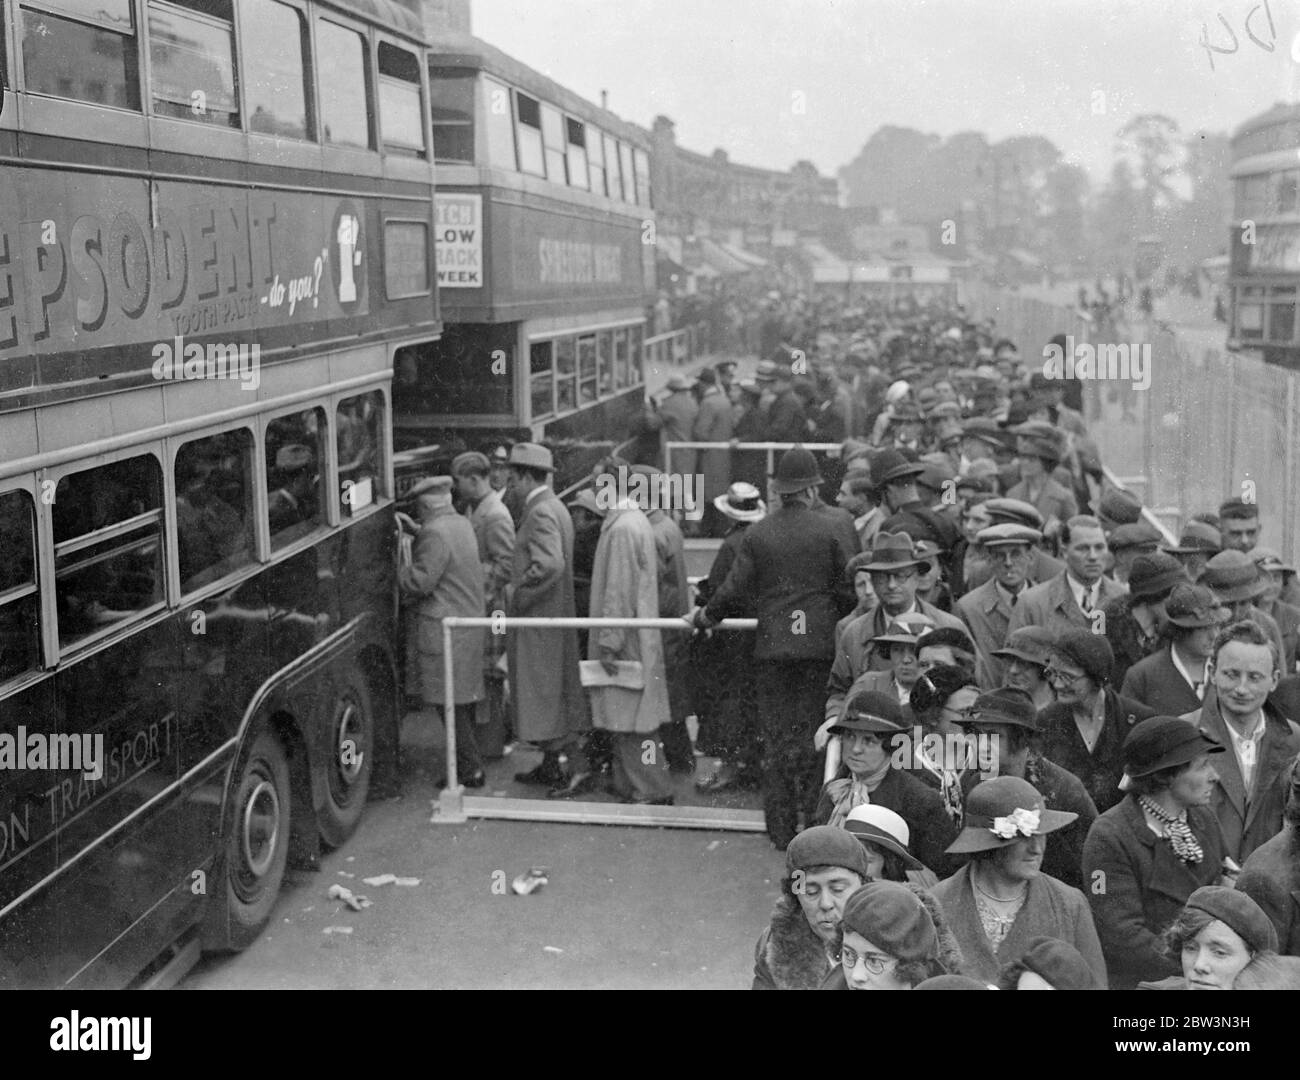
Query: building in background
{"type": "Point", "coordinates": [1264, 272]}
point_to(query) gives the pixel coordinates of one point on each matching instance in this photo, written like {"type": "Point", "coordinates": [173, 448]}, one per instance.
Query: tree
{"type": "Point", "coordinates": [1152, 143]}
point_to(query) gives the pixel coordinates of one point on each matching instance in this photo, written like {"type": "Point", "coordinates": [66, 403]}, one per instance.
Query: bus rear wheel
{"type": "Point", "coordinates": [257, 844]}
{"type": "Point", "coordinates": [352, 754]}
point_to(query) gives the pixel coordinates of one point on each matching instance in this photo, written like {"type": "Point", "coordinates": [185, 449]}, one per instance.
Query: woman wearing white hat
{"type": "Point", "coordinates": [885, 835]}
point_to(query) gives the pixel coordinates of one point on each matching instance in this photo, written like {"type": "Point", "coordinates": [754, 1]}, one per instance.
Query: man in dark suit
{"type": "Point", "coordinates": [1249, 793]}
{"type": "Point", "coordinates": [1074, 598]}
{"type": "Point", "coordinates": [987, 610]}
{"type": "Point", "coordinates": [791, 565]}
{"type": "Point", "coordinates": [1173, 680]}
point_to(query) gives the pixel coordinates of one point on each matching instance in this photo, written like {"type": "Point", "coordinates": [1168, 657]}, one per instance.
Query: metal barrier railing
{"type": "Point", "coordinates": [772, 448]}
{"type": "Point", "coordinates": [451, 804]}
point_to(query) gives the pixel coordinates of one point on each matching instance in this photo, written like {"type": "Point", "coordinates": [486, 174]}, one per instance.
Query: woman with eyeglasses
{"type": "Point", "coordinates": [1086, 728]}
{"type": "Point", "coordinates": [939, 701]}
{"type": "Point", "coordinates": [892, 938]}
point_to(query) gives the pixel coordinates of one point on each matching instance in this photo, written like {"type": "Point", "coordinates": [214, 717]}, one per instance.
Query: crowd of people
{"type": "Point", "coordinates": [1006, 733]}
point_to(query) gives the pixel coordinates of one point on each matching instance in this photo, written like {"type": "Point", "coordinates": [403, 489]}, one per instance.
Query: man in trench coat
{"type": "Point", "coordinates": [624, 585]}
{"type": "Point", "coordinates": [547, 703]}
{"type": "Point", "coordinates": [445, 577]}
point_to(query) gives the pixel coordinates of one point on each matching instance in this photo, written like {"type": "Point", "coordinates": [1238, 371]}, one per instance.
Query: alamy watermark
{"type": "Point", "coordinates": [663, 491]}
{"type": "Point", "coordinates": [1126, 362]}
{"type": "Point", "coordinates": [175, 360]}
{"type": "Point", "coordinates": [34, 750]}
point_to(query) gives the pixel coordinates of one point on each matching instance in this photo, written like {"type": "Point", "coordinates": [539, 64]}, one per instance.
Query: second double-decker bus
{"type": "Point", "coordinates": [215, 232]}
{"type": "Point", "coordinates": [545, 250]}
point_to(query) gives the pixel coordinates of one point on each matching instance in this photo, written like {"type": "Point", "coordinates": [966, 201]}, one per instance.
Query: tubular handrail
{"type": "Point", "coordinates": [499, 623]}
{"type": "Point", "coordinates": [831, 449]}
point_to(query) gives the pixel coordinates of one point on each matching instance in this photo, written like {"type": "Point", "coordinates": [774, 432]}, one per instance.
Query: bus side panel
{"type": "Point", "coordinates": [126, 694]}
{"type": "Point", "coordinates": [28, 957]}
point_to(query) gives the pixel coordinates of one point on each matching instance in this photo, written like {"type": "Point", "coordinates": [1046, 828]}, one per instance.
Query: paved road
{"type": "Point", "coordinates": [627, 908]}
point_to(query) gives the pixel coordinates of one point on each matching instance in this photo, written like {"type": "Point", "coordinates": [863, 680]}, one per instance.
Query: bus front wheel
{"type": "Point", "coordinates": [351, 758]}
{"type": "Point", "coordinates": [257, 846]}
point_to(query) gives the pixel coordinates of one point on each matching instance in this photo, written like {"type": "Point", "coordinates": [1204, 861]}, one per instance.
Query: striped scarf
{"type": "Point", "coordinates": [1177, 831]}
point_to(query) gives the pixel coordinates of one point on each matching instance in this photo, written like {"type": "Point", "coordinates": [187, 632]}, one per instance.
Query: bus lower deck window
{"type": "Point", "coordinates": [295, 457]}
{"type": "Point", "coordinates": [214, 507]}
{"type": "Point", "coordinates": [361, 468]}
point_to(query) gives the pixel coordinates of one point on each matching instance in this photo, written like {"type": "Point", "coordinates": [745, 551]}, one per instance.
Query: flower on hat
{"type": "Point", "coordinates": [1020, 822]}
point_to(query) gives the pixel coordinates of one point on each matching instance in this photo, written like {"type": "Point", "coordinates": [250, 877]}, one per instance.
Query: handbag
{"type": "Point", "coordinates": [629, 676]}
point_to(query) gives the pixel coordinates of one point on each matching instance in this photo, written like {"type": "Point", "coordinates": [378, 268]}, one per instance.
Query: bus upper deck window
{"type": "Point", "coordinates": [576, 132]}
{"type": "Point", "coordinates": [528, 132]}
{"type": "Point", "coordinates": [192, 57]}
{"type": "Point", "coordinates": [451, 104]}
{"type": "Point", "coordinates": [401, 121]}
{"type": "Point", "coordinates": [295, 457]}
{"type": "Point", "coordinates": [82, 49]}
{"type": "Point", "coordinates": [341, 59]}
{"type": "Point", "coordinates": [273, 37]}
{"type": "Point", "coordinates": [499, 124]}
{"type": "Point", "coordinates": [19, 602]}
{"type": "Point", "coordinates": [108, 546]}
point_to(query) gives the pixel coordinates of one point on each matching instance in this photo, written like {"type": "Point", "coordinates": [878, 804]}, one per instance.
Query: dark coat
{"type": "Point", "coordinates": [1248, 819]}
{"type": "Point", "coordinates": [986, 613]}
{"type": "Point", "coordinates": [1271, 877]}
{"type": "Point", "coordinates": [1156, 683]}
{"type": "Point", "coordinates": [930, 828]}
{"type": "Point", "coordinates": [789, 955]}
{"type": "Point", "coordinates": [1060, 742]}
{"type": "Point", "coordinates": [1051, 909]}
{"type": "Point", "coordinates": [791, 565]}
{"type": "Point", "coordinates": [786, 421]}
{"type": "Point", "coordinates": [1060, 790]}
{"type": "Point", "coordinates": [1286, 698]}
{"type": "Point", "coordinates": [1052, 605]}
{"type": "Point", "coordinates": [1128, 641]}
{"type": "Point", "coordinates": [1137, 886]}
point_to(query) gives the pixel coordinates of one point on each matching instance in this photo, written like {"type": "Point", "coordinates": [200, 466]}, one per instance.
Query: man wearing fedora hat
{"type": "Point", "coordinates": [1146, 855]}
{"type": "Point", "coordinates": [894, 573]}
{"type": "Point", "coordinates": [1040, 448]}
{"type": "Point", "coordinates": [791, 564]}
{"type": "Point", "coordinates": [1238, 583]}
{"type": "Point", "coordinates": [725, 698]}
{"type": "Point", "coordinates": [1271, 874]}
{"type": "Point", "coordinates": [1001, 900]}
{"type": "Point", "coordinates": [674, 419]}
{"type": "Point", "coordinates": [547, 703]}
{"type": "Point", "coordinates": [1198, 543]}
{"type": "Point", "coordinates": [896, 477]}
{"type": "Point", "coordinates": [1249, 793]}
{"type": "Point", "coordinates": [1174, 679]}
{"type": "Point", "coordinates": [986, 611]}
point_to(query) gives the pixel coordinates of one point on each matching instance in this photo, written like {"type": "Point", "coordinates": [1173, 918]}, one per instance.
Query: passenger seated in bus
{"type": "Point", "coordinates": [292, 499]}
{"type": "Point", "coordinates": [211, 534]}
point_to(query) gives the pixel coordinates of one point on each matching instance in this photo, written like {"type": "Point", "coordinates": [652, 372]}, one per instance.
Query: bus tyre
{"type": "Point", "coordinates": [351, 752]}
{"type": "Point", "coordinates": [257, 845]}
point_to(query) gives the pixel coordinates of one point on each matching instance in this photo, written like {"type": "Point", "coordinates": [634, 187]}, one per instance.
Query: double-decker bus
{"type": "Point", "coordinates": [1264, 269]}
{"type": "Point", "coordinates": [215, 231]}
{"type": "Point", "coordinates": [545, 257]}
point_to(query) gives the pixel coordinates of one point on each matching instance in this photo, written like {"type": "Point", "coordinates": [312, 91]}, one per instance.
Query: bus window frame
{"type": "Point", "coordinates": [27, 484]}
{"type": "Point", "coordinates": [236, 62]}
{"type": "Point", "coordinates": [379, 499]}
{"type": "Point", "coordinates": [328, 478]}
{"type": "Point", "coordinates": [311, 142]}
{"type": "Point", "coordinates": [344, 157]}
{"type": "Point", "coordinates": [398, 150]}
{"type": "Point", "coordinates": [176, 595]}
{"type": "Point", "coordinates": [51, 476]}
{"type": "Point", "coordinates": [487, 85]}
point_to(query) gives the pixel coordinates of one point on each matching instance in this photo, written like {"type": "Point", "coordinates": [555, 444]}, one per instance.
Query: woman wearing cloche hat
{"type": "Point", "coordinates": [1218, 932]}
{"type": "Point", "coordinates": [1144, 857]}
{"type": "Point", "coordinates": [1000, 901]}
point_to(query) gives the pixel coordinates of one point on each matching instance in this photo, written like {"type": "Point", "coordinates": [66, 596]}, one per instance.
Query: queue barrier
{"type": "Point", "coordinates": [831, 450]}
{"type": "Point", "coordinates": [454, 807]}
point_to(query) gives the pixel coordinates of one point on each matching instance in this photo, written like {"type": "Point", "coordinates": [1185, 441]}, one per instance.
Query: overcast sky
{"type": "Point", "coordinates": [773, 81]}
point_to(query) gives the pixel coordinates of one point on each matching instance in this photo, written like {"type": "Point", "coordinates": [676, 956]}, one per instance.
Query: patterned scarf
{"type": "Point", "coordinates": [1177, 831]}
{"type": "Point", "coordinates": [851, 792]}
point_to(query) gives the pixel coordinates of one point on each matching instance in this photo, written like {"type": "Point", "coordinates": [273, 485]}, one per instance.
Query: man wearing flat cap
{"type": "Point", "coordinates": [792, 565]}
{"type": "Point", "coordinates": [1127, 542]}
{"type": "Point", "coordinates": [1250, 791]}
{"type": "Point", "coordinates": [986, 611]}
{"type": "Point", "coordinates": [445, 578]}
{"type": "Point", "coordinates": [547, 703]}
